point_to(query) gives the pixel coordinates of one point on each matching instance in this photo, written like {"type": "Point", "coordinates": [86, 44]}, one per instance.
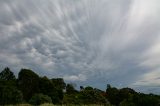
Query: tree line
{"type": "Point", "coordinates": [31, 88]}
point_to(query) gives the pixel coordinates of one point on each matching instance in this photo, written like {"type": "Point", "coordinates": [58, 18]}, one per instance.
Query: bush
{"type": "Point", "coordinates": [10, 95]}
{"type": "Point", "coordinates": [38, 99]}
{"type": "Point", "coordinates": [127, 103]}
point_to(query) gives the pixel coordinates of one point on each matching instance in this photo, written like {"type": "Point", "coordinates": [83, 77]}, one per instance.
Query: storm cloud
{"type": "Point", "coordinates": [88, 41]}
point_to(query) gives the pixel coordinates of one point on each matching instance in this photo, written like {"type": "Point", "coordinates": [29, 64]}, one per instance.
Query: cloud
{"type": "Point", "coordinates": [80, 77]}
{"type": "Point", "coordinates": [92, 41]}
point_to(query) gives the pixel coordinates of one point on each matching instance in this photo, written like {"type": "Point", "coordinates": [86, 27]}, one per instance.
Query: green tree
{"type": "Point", "coordinates": [92, 96]}
{"type": "Point", "coordinates": [7, 75]}
{"type": "Point", "coordinates": [10, 95]}
{"type": "Point", "coordinates": [88, 88]}
{"type": "Point", "coordinates": [59, 83]}
{"type": "Point", "coordinates": [70, 89]}
{"type": "Point", "coordinates": [125, 93]}
{"type": "Point", "coordinates": [113, 95]}
{"type": "Point", "coordinates": [52, 88]}
{"type": "Point", "coordinates": [71, 99]}
{"type": "Point", "coordinates": [46, 87]}
{"type": "Point", "coordinates": [38, 99]}
{"type": "Point", "coordinates": [7, 78]}
{"type": "Point", "coordinates": [59, 86]}
{"type": "Point", "coordinates": [71, 95]}
{"type": "Point", "coordinates": [141, 99]}
{"type": "Point", "coordinates": [28, 83]}
{"type": "Point", "coordinates": [127, 103]}
{"type": "Point", "coordinates": [81, 88]}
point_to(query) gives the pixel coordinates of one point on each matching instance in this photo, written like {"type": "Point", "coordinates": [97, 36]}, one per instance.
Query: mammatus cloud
{"type": "Point", "coordinates": [87, 41]}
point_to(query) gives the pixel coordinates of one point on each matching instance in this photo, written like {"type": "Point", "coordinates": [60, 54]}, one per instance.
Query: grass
{"type": "Point", "coordinates": [20, 105]}
{"type": "Point", "coordinates": [70, 105]}
{"type": "Point", "coordinates": [46, 104]}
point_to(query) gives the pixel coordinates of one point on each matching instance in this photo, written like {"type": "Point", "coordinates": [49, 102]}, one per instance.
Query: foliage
{"type": "Point", "coordinates": [46, 87]}
{"type": "Point", "coordinates": [38, 99]}
{"type": "Point", "coordinates": [116, 96]}
{"type": "Point", "coordinates": [28, 83]}
{"type": "Point", "coordinates": [7, 75]}
{"type": "Point", "coordinates": [85, 96]}
{"type": "Point", "coordinates": [141, 99]}
{"type": "Point", "coordinates": [127, 103]}
{"type": "Point", "coordinates": [30, 88]}
{"type": "Point", "coordinates": [71, 99]}
{"type": "Point", "coordinates": [113, 95]}
{"type": "Point", "coordinates": [92, 96]}
{"type": "Point", "coordinates": [70, 89]}
{"type": "Point", "coordinates": [52, 89]}
{"type": "Point", "coordinates": [10, 95]}
{"type": "Point", "coordinates": [59, 83]}
{"type": "Point", "coordinates": [128, 97]}
{"type": "Point", "coordinates": [59, 86]}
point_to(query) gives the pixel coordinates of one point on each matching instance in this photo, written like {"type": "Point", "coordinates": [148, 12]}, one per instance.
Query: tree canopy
{"type": "Point", "coordinates": [7, 75]}
{"type": "Point", "coordinates": [34, 89]}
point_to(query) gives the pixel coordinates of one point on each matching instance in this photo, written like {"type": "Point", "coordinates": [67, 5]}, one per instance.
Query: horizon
{"type": "Point", "coordinates": [77, 87]}
{"type": "Point", "coordinates": [89, 42]}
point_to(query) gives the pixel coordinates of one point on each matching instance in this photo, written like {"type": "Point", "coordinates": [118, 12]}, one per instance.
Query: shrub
{"type": "Point", "coordinates": [10, 95]}
{"type": "Point", "coordinates": [38, 99]}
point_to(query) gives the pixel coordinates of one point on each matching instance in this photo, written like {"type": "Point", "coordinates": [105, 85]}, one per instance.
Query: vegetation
{"type": "Point", "coordinates": [38, 99]}
{"type": "Point", "coordinates": [31, 89]}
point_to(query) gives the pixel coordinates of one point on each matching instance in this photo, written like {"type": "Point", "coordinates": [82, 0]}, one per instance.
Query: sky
{"type": "Point", "coordinates": [88, 42]}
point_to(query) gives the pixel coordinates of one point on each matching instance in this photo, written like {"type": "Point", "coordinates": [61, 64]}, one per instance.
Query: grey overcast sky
{"type": "Point", "coordinates": [89, 42]}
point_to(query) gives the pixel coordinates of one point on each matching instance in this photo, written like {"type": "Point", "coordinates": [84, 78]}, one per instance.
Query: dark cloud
{"type": "Point", "coordinates": [87, 41]}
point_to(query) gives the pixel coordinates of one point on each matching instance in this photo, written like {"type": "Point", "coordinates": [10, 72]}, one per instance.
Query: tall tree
{"type": "Point", "coordinates": [9, 95]}
{"type": "Point", "coordinates": [7, 75]}
{"type": "Point", "coordinates": [59, 83]}
{"type": "Point", "coordinates": [59, 86]}
{"type": "Point", "coordinates": [70, 89]}
{"type": "Point", "coordinates": [28, 83]}
{"type": "Point", "coordinates": [112, 95]}
{"type": "Point", "coordinates": [92, 96]}
{"type": "Point", "coordinates": [52, 89]}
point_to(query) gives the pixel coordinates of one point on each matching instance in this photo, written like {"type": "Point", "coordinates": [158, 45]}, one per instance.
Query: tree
{"type": "Point", "coordinates": [53, 88]}
{"type": "Point", "coordinates": [28, 83]}
{"type": "Point", "coordinates": [88, 88]}
{"type": "Point", "coordinates": [59, 86]}
{"type": "Point", "coordinates": [108, 86]}
{"type": "Point", "coordinates": [46, 87]}
{"type": "Point", "coordinates": [125, 93]}
{"type": "Point", "coordinates": [7, 78]}
{"type": "Point", "coordinates": [59, 83]}
{"type": "Point", "coordinates": [141, 99]}
{"type": "Point", "coordinates": [92, 96]}
{"type": "Point", "coordinates": [10, 95]}
{"type": "Point", "coordinates": [38, 99]}
{"type": "Point", "coordinates": [81, 88]}
{"type": "Point", "coordinates": [113, 95]}
{"type": "Point", "coordinates": [7, 75]}
{"type": "Point", "coordinates": [70, 89]}
{"type": "Point", "coordinates": [127, 103]}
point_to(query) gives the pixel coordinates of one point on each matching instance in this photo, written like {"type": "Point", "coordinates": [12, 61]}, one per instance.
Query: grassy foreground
{"type": "Point", "coordinates": [56, 105]}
